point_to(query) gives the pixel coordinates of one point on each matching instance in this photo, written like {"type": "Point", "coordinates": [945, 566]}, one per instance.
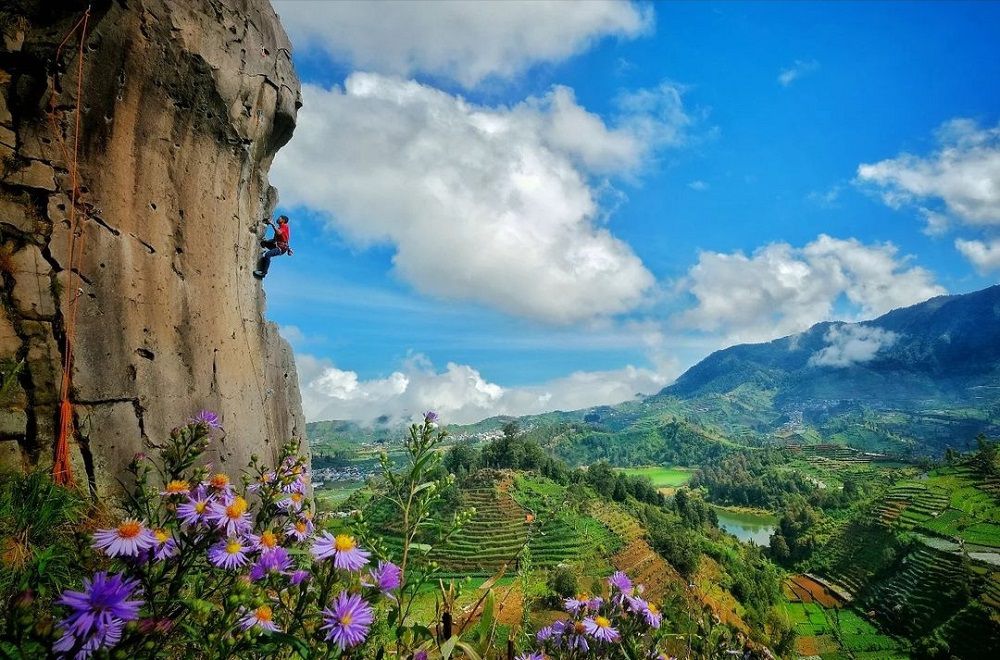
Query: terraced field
{"type": "Point", "coordinates": [926, 590]}
{"type": "Point", "coordinates": [827, 629]}
{"type": "Point", "coordinates": [502, 527]}
{"type": "Point", "coordinates": [911, 503]}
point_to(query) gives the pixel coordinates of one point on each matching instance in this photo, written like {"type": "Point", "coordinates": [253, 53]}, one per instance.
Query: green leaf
{"type": "Point", "coordinates": [295, 643]}
{"type": "Point", "coordinates": [486, 620]}
{"type": "Point", "coordinates": [423, 631]}
{"type": "Point", "coordinates": [422, 547]}
{"type": "Point", "coordinates": [423, 486]}
{"type": "Point", "coordinates": [469, 652]}
{"type": "Point", "coordinates": [448, 647]}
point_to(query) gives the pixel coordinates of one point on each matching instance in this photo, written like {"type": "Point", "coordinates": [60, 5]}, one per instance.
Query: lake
{"type": "Point", "coordinates": [747, 526]}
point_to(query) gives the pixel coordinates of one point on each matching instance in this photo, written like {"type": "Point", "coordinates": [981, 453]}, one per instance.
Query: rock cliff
{"type": "Point", "coordinates": [183, 106]}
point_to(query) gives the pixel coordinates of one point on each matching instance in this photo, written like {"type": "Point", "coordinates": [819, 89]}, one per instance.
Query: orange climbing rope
{"type": "Point", "coordinates": [62, 472]}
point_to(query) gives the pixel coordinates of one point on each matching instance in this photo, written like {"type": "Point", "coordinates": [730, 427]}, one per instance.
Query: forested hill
{"type": "Point", "coordinates": [953, 341]}
{"type": "Point", "coordinates": [915, 379]}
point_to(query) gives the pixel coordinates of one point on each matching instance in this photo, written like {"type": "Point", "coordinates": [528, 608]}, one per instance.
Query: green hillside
{"type": "Point", "coordinates": [933, 382]}
{"type": "Point", "coordinates": [925, 560]}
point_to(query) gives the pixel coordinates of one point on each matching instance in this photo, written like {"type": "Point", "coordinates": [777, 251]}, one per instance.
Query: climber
{"type": "Point", "coordinates": [276, 245]}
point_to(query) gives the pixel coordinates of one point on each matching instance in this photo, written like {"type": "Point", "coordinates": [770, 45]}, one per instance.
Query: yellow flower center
{"type": "Point", "coordinates": [219, 480]}
{"type": "Point", "coordinates": [177, 486]}
{"type": "Point", "coordinates": [346, 619]}
{"type": "Point", "coordinates": [233, 546]}
{"type": "Point", "coordinates": [263, 613]}
{"type": "Point", "coordinates": [578, 628]}
{"type": "Point", "coordinates": [161, 535]}
{"type": "Point", "coordinates": [200, 507]}
{"type": "Point", "coordinates": [602, 622]}
{"type": "Point", "coordinates": [237, 508]}
{"type": "Point", "coordinates": [268, 539]}
{"type": "Point", "coordinates": [344, 543]}
{"type": "Point", "coordinates": [129, 529]}
{"type": "Point", "coordinates": [653, 608]}
{"type": "Point", "coordinates": [297, 498]}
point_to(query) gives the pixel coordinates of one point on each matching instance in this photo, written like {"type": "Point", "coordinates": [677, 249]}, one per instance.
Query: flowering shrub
{"type": "Point", "coordinates": [619, 625]}
{"type": "Point", "coordinates": [205, 567]}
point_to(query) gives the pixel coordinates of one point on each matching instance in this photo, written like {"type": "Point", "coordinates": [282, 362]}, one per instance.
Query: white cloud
{"type": "Point", "coordinates": [984, 255]}
{"type": "Point", "coordinates": [781, 289]}
{"type": "Point", "coordinates": [292, 334]}
{"type": "Point", "coordinates": [852, 344]}
{"type": "Point", "coordinates": [494, 205]}
{"type": "Point", "coordinates": [796, 71]}
{"type": "Point", "coordinates": [963, 174]}
{"type": "Point", "coordinates": [463, 41]}
{"type": "Point", "coordinates": [698, 185]}
{"type": "Point", "coordinates": [827, 198]}
{"type": "Point", "coordinates": [459, 392]}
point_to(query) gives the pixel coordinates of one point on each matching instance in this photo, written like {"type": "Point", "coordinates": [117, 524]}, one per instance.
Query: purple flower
{"type": "Point", "coordinates": [648, 611]}
{"type": "Point", "coordinates": [291, 503]}
{"type": "Point", "coordinates": [652, 615]}
{"type": "Point", "coordinates": [265, 543]}
{"type": "Point", "coordinates": [545, 634]}
{"type": "Point", "coordinates": [299, 529]}
{"type": "Point", "coordinates": [420, 655]}
{"type": "Point", "coordinates": [219, 483]}
{"type": "Point", "coordinates": [599, 628]}
{"type": "Point", "coordinates": [387, 577]}
{"type": "Point", "coordinates": [166, 546]}
{"type": "Point", "coordinates": [575, 604]}
{"type": "Point", "coordinates": [228, 553]}
{"type": "Point", "coordinates": [208, 418]}
{"type": "Point", "coordinates": [176, 487]}
{"type": "Point", "coordinates": [195, 510]}
{"type": "Point", "coordinates": [430, 417]}
{"type": "Point", "coordinates": [276, 561]}
{"type": "Point", "coordinates": [261, 618]}
{"type": "Point", "coordinates": [621, 582]}
{"type": "Point", "coordinates": [298, 577]}
{"type": "Point", "coordinates": [344, 550]}
{"type": "Point", "coordinates": [348, 621]}
{"type": "Point", "coordinates": [576, 640]}
{"type": "Point", "coordinates": [127, 539]}
{"type": "Point", "coordinates": [264, 480]}
{"type": "Point", "coordinates": [531, 656]}
{"type": "Point", "coordinates": [231, 517]}
{"type": "Point", "coordinates": [99, 614]}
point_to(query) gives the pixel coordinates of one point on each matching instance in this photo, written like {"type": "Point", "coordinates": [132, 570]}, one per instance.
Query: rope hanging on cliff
{"type": "Point", "coordinates": [62, 472]}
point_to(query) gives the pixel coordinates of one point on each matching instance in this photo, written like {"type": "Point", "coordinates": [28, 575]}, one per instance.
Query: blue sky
{"type": "Point", "coordinates": [511, 208]}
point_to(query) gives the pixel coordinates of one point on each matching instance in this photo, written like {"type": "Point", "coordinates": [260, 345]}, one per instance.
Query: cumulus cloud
{"type": "Point", "coordinates": [799, 69]}
{"type": "Point", "coordinates": [781, 289]}
{"type": "Point", "coordinates": [459, 392]}
{"type": "Point", "coordinates": [852, 344]}
{"type": "Point", "coordinates": [963, 175]}
{"type": "Point", "coordinates": [494, 205]}
{"type": "Point", "coordinates": [463, 41]}
{"type": "Point", "coordinates": [698, 185]}
{"type": "Point", "coordinates": [984, 255]}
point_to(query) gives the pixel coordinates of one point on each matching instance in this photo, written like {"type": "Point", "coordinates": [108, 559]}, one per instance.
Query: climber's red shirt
{"type": "Point", "coordinates": [284, 233]}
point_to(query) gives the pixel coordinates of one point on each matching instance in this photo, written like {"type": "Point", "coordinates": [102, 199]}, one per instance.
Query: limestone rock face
{"type": "Point", "coordinates": [183, 106]}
